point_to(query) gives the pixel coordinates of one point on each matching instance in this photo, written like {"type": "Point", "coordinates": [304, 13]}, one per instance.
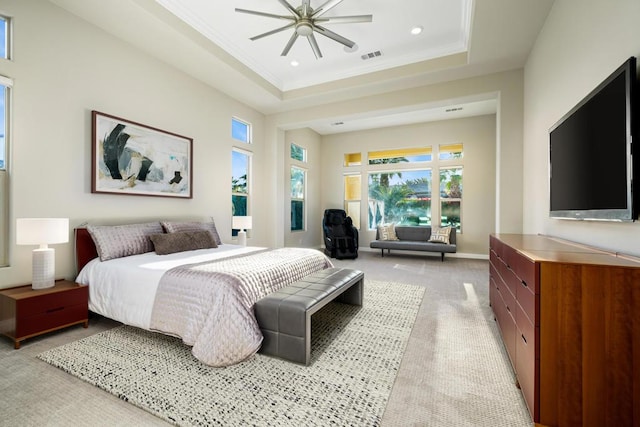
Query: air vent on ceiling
{"type": "Point", "coordinates": [450, 110]}
{"type": "Point", "coordinates": [371, 55]}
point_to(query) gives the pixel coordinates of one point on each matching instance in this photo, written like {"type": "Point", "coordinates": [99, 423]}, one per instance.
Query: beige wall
{"type": "Point", "coordinates": [62, 69]}
{"type": "Point", "coordinates": [579, 46]}
{"type": "Point", "coordinates": [477, 134]}
{"type": "Point", "coordinates": [311, 237]}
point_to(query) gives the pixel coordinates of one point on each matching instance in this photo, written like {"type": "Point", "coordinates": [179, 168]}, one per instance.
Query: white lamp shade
{"type": "Point", "coordinates": [42, 231]}
{"type": "Point", "coordinates": [242, 222]}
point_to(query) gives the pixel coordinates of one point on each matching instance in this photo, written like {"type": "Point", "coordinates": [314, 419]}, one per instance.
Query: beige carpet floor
{"type": "Point", "coordinates": [454, 372]}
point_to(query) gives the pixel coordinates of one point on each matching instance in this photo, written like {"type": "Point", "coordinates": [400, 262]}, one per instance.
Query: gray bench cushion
{"type": "Point", "coordinates": [284, 316]}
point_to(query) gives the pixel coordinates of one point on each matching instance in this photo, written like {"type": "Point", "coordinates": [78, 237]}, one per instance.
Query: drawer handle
{"type": "Point", "coordinates": [525, 284]}
{"type": "Point", "coordinates": [52, 310]}
{"type": "Point", "coordinates": [508, 309]}
{"type": "Point", "coordinates": [523, 338]}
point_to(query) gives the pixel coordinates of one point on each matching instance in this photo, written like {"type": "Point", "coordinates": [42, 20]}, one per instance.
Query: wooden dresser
{"type": "Point", "coordinates": [569, 316]}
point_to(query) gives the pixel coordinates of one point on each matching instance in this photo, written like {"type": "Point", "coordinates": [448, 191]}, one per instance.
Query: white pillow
{"type": "Point", "coordinates": [440, 235]}
{"type": "Point", "coordinates": [387, 232]}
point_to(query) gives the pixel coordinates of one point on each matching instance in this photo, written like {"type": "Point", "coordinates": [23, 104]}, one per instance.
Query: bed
{"type": "Point", "coordinates": [145, 275]}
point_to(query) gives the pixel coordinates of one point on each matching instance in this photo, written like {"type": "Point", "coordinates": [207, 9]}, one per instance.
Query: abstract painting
{"type": "Point", "coordinates": [130, 158]}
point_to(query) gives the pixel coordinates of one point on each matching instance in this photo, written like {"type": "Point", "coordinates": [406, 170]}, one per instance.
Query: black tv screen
{"type": "Point", "coordinates": [591, 163]}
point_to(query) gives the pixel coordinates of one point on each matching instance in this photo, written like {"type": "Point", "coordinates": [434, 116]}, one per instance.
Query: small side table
{"type": "Point", "coordinates": [27, 312]}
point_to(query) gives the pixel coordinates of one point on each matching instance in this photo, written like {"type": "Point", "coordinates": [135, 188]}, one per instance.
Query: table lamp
{"type": "Point", "coordinates": [42, 232]}
{"type": "Point", "coordinates": [242, 223]}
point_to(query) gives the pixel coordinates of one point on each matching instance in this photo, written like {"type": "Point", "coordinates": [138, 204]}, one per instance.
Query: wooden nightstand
{"type": "Point", "coordinates": [27, 312]}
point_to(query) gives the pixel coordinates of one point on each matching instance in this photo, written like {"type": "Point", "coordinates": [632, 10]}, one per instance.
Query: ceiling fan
{"type": "Point", "coordinates": [305, 21]}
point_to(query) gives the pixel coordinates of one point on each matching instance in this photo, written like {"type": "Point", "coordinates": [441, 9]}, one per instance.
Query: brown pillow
{"type": "Point", "coordinates": [170, 243]}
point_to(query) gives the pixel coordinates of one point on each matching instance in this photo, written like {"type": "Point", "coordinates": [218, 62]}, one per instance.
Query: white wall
{"type": "Point", "coordinates": [579, 46]}
{"type": "Point", "coordinates": [478, 136]}
{"type": "Point", "coordinates": [63, 68]}
{"type": "Point", "coordinates": [311, 237]}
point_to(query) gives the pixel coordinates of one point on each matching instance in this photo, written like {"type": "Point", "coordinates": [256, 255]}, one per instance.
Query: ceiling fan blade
{"type": "Point", "coordinates": [325, 8]}
{"type": "Point", "coordinates": [268, 33]}
{"type": "Point", "coordinates": [268, 15]}
{"type": "Point", "coordinates": [346, 19]}
{"type": "Point", "coordinates": [314, 46]}
{"type": "Point", "coordinates": [290, 43]}
{"type": "Point", "coordinates": [291, 9]}
{"type": "Point", "coordinates": [333, 36]}
{"type": "Point", "coordinates": [306, 7]}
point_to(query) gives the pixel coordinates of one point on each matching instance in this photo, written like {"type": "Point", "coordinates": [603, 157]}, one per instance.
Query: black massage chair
{"type": "Point", "coordinates": [340, 236]}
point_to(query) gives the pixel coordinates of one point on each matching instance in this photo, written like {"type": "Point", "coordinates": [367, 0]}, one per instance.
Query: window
{"type": "Point", "coordinates": [409, 155]}
{"type": "Point", "coordinates": [450, 151]}
{"type": "Point", "coordinates": [352, 191]}
{"type": "Point", "coordinates": [400, 197]}
{"type": "Point", "coordinates": [240, 189]}
{"type": "Point", "coordinates": [5, 85]}
{"type": "Point", "coordinates": [353, 159]}
{"type": "Point", "coordinates": [451, 196]}
{"type": "Point", "coordinates": [4, 37]}
{"type": "Point", "coordinates": [298, 153]}
{"type": "Point", "coordinates": [240, 130]}
{"type": "Point", "coordinates": [298, 190]}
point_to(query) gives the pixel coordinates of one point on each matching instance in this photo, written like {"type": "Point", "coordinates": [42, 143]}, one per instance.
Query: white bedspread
{"type": "Point", "coordinates": [124, 289]}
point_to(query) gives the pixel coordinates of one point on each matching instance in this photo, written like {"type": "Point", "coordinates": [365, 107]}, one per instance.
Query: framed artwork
{"type": "Point", "coordinates": [134, 159]}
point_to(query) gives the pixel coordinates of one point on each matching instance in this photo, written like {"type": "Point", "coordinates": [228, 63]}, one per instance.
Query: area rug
{"type": "Point", "coordinates": [356, 354]}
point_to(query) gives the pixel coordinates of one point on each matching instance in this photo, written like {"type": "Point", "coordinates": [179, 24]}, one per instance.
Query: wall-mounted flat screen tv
{"type": "Point", "coordinates": [591, 163]}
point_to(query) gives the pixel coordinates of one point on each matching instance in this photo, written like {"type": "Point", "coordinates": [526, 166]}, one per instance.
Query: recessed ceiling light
{"type": "Point", "coordinates": [416, 30]}
{"type": "Point", "coordinates": [294, 63]}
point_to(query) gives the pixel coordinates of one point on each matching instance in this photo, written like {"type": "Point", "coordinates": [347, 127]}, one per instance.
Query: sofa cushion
{"type": "Point", "coordinates": [387, 232]}
{"type": "Point", "coordinates": [440, 235]}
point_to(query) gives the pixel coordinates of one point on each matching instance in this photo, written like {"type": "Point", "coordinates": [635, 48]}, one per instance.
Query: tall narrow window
{"type": "Point", "coordinates": [400, 197]}
{"type": "Point", "coordinates": [240, 188]}
{"type": "Point", "coordinates": [5, 85]}
{"type": "Point", "coordinates": [4, 37]}
{"type": "Point", "coordinates": [240, 130]}
{"type": "Point", "coordinates": [298, 153]}
{"type": "Point", "coordinates": [352, 191]}
{"type": "Point", "coordinates": [451, 197]}
{"type": "Point", "coordinates": [298, 190]}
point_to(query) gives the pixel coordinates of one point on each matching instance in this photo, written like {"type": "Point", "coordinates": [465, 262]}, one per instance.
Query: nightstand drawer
{"type": "Point", "coordinates": [53, 319]}
{"type": "Point", "coordinates": [52, 302]}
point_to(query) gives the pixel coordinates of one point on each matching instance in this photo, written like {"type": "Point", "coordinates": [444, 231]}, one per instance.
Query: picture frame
{"type": "Point", "coordinates": [134, 159]}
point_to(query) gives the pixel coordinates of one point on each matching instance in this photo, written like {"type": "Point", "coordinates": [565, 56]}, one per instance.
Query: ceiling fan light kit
{"type": "Point", "coordinates": [305, 22]}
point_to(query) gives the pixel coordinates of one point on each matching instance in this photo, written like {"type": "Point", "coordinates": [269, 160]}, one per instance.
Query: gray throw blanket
{"type": "Point", "coordinates": [210, 305]}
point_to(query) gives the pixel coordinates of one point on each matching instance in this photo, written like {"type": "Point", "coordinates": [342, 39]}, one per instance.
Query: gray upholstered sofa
{"type": "Point", "coordinates": [415, 238]}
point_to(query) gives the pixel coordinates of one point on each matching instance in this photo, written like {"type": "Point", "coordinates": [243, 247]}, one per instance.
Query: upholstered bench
{"type": "Point", "coordinates": [284, 316]}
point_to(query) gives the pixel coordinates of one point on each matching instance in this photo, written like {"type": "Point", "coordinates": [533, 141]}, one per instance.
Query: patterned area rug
{"type": "Point", "coordinates": [356, 353]}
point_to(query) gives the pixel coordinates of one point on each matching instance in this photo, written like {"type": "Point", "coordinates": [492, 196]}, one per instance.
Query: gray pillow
{"type": "Point", "coordinates": [170, 243]}
{"type": "Point", "coordinates": [177, 227]}
{"type": "Point", "coordinates": [117, 241]}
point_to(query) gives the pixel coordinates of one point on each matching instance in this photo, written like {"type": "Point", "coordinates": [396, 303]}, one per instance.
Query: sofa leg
{"type": "Point", "coordinates": [382, 251]}
{"type": "Point", "coordinates": [442, 253]}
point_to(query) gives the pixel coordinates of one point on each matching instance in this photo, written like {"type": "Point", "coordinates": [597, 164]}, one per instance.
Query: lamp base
{"type": "Point", "coordinates": [242, 238]}
{"type": "Point", "coordinates": [43, 268]}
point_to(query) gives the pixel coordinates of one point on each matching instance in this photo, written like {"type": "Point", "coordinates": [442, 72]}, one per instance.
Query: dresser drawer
{"type": "Point", "coordinates": [526, 270]}
{"type": "Point", "coordinates": [507, 326]}
{"type": "Point", "coordinates": [526, 369]}
{"type": "Point", "coordinates": [509, 278]}
{"type": "Point", "coordinates": [53, 319]}
{"type": "Point", "coordinates": [47, 303]}
{"type": "Point", "coordinates": [529, 303]}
